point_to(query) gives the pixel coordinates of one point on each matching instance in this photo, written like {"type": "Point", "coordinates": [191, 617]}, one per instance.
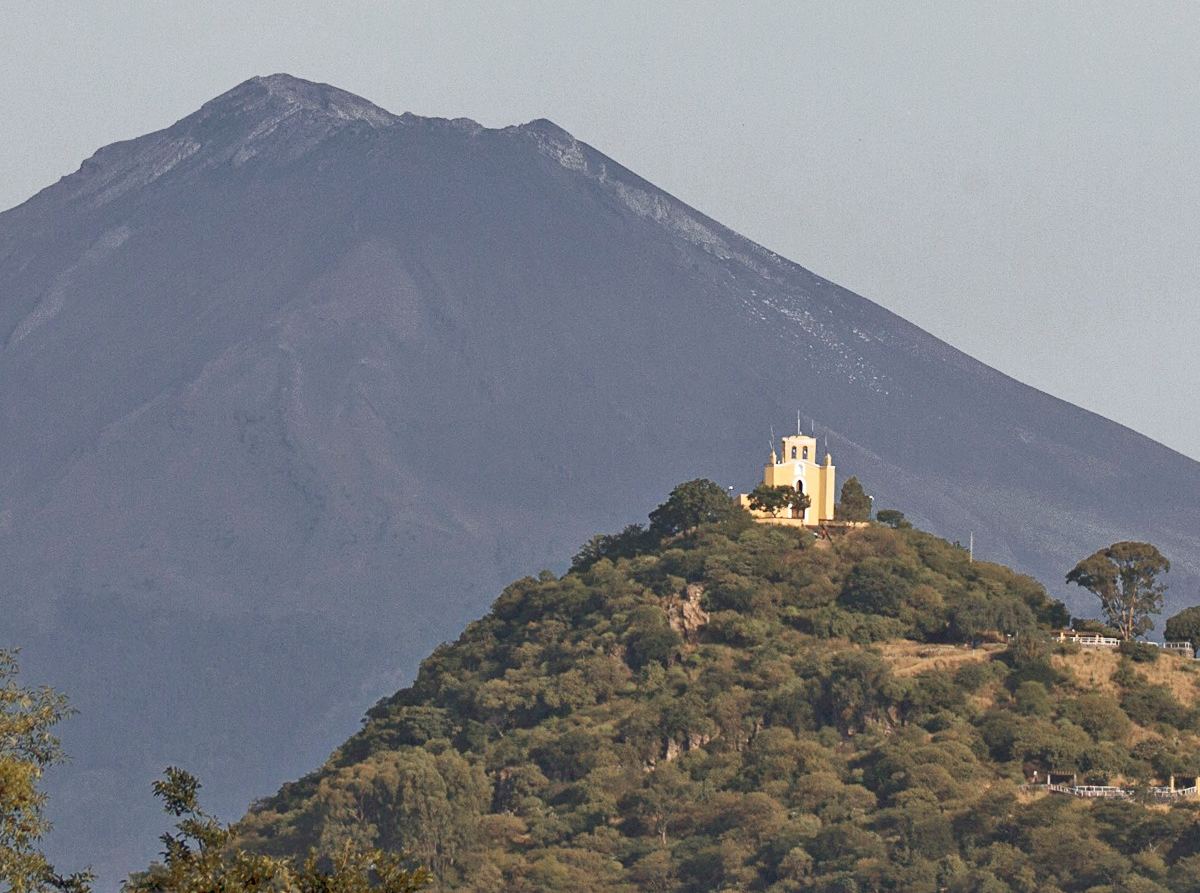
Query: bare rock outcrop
{"type": "Point", "coordinates": [685, 614]}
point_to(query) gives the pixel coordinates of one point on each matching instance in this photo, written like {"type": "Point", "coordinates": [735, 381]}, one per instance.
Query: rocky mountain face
{"type": "Point", "coordinates": [290, 388]}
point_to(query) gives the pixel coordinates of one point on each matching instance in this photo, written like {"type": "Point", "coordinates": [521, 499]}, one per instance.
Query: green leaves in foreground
{"type": "Point", "coordinates": [198, 858]}
{"type": "Point", "coordinates": [27, 747]}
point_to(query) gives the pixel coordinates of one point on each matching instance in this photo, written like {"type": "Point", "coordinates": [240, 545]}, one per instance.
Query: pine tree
{"type": "Point", "coordinates": [855, 504]}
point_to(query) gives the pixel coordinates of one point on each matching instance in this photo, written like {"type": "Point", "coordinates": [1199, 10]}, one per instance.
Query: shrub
{"type": "Point", "coordinates": [1139, 652]}
{"type": "Point", "coordinates": [1098, 714]}
{"type": "Point", "coordinates": [834, 623]}
{"type": "Point", "coordinates": [972, 677]}
{"type": "Point", "coordinates": [1147, 704]}
{"type": "Point", "coordinates": [1032, 699]}
{"type": "Point", "coordinates": [650, 638]}
{"type": "Point", "coordinates": [893, 519]}
{"type": "Point", "coordinates": [876, 587]}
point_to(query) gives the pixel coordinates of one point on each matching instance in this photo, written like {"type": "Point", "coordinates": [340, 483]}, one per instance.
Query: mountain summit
{"type": "Point", "coordinates": [289, 388]}
{"type": "Point", "coordinates": [283, 92]}
{"type": "Point", "coordinates": [279, 117]}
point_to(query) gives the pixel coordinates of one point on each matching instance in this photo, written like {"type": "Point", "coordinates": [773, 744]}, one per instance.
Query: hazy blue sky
{"type": "Point", "coordinates": [1019, 179]}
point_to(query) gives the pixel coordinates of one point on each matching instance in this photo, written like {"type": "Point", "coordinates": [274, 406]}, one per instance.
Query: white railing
{"type": "Point", "coordinates": [1101, 791]}
{"type": "Point", "coordinates": [1111, 792]}
{"type": "Point", "coordinates": [1166, 793]}
{"type": "Point", "coordinates": [1089, 640]}
{"type": "Point", "coordinates": [1184, 648]}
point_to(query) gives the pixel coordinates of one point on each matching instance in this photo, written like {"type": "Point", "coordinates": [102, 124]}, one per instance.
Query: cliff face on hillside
{"type": "Point", "coordinates": [289, 388]}
{"type": "Point", "coordinates": [819, 722]}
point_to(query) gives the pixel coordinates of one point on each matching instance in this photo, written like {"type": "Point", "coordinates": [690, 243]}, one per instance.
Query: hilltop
{"type": "Point", "coordinates": [292, 386]}
{"type": "Point", "coordinates": [742, 706]}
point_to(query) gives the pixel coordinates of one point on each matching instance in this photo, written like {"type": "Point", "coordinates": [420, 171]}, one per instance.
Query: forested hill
{"type": "Point", "coordinates": [743, 707]}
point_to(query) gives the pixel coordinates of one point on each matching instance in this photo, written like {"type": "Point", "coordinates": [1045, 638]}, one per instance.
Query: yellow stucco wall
{"type": "Point", "coordinates": [797, 463]}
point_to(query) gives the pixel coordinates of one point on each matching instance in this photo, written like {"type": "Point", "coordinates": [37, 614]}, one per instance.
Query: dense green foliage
{"type": "Point", "coordinates": [741, 707]}
{"type": "Point", "coordinates": [776, 499]}
{"type": "Point", "coordinates": [854, 504]}
{"type": "Point", "coordinates": [1126, 577]}
{"type": "Point", "coordinates": [198, 858]}
{"type": "Point", "coordinates": [892, 518]}
{"type": "Point", "coordinates": [691, 504]}
{"type": "Point", "coordinates": [1184, 626]}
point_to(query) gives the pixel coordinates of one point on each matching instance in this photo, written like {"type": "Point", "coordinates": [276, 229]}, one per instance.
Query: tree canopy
{"type": "Point", "coordinates": [691, 504]}
{"type": "Point", "coordinates": [1125, 577]}
{"type": "Point", "coordinates": [737, 706]}
{"type": "Point", "coordinates": [855, 504]}
{"type": "Point", "coordinates": [892, 518]}
{"type": "Point", "coordinates": [1184, 626]}
{"type": "Point", "coordinates": [198, 856]}
{"type": "Point", "coordinates": [776, 499]}
{"type": "Point", "coordinates": [713, 704]}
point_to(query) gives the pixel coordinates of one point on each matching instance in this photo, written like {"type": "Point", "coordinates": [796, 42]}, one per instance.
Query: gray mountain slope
{"type": "Point", "coordinates": [289, 389]}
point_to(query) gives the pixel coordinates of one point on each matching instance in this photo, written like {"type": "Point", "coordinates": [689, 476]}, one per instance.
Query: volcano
{"type": "Point", "coordinates": [289, 389]}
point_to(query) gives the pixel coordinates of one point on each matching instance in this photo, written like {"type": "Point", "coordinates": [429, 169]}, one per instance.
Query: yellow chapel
{"type": "Point", "coordinates": [795, 465]}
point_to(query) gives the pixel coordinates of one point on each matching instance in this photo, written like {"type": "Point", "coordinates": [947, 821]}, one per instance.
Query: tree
{"type": "Point", "coordinates": [199, 857]}
{"type": "Point", "coordinates": [1125, 577]}
{"type": "Point", "coordinates": [876, 586]}
{"type": "Point", "coordinates": [855, 504]}
{"type": "Point", "coordinates": [1184, 626]}
{"type": "Point", "coordinates": [776, 499]}
{"type": "Point", "coordinates": [27, 748]}
{"type": "Point", "coordinates": [1032, 699]}
{"type": "Point", "coordinates": [629, 542]}
{"type": "Point", "coordinates": [691, 504]}
{"type": "Point", "coordinates": [892, 518]}
{"type": "Point", "coordinates": [972, 616]}
{"type": "Point", "coordinates": [650, 638]}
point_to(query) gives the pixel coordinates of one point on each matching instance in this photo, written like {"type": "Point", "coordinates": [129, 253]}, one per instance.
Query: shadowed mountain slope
{"type": "Point", "coordinates": [290, 388]}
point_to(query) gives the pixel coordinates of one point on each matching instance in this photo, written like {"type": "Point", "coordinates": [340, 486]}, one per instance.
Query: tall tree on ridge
{"type": "Point", "coordinates": [691, 504]}
{"type": "Point", "coordinates": [1125, 577]}
{"type": "Point", "coordinates": [855, 504]}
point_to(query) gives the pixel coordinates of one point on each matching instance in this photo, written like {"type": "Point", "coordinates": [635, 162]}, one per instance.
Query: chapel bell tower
{"type": "Point", "coordinates": [796, 465]}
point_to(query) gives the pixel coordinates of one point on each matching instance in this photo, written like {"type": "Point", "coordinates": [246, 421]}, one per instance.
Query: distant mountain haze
{"type": "Point", "coordinates": [290, 389]}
